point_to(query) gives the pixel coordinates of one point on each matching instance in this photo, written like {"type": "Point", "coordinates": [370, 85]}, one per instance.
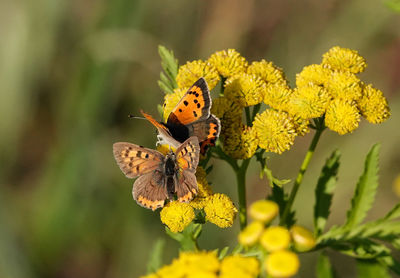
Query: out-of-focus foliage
{"type": "Point", "coordinates": [71, 72]}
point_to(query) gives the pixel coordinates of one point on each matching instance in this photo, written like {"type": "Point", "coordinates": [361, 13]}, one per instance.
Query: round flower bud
{"type": "Point", "coordinates": [303, 238]}
{"type": "Point", "coordinates": [263, 210]}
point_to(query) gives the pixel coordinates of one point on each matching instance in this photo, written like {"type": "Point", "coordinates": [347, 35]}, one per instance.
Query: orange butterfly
{"type": "Point", "coordinates": [160, 177]}
{"type": "Point", "coordinates": [190, 117]}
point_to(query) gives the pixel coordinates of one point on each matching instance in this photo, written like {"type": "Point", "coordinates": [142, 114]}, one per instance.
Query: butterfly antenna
{"type": "Point", "coordinates": [136, 117]}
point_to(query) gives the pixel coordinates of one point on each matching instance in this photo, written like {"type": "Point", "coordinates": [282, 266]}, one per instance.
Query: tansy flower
{"type": "Point", "coordinates": [301, 125]}
{"type": "Point", "coordinates": [177, 216]}
{"type": "Point", "coordinates": [240, 142]}
{"type": "Point", "coordinates": [282, 264]}
{"type": "Point", "coordinates": [315, 74]}
{"type": "Point", "coordinates": [344, 59]}
{"type": "Point", "coordinates": [309, 102]}
{"type": "Point", "coordinates": [277, 96]}
{"type": "Point", "coordinates": [344, 85]}
{"type": "Point", "coordinates": [237, 266]}
{"type": "Point", "coordinates": [204, 190]}
{"type": "Point", "coordinates": [192, 71]}
{"type": "Point", "coordinates": [263, 210]}
{"type": "Point", "coordinates": [228, 62]}
{"type": "Point", "coordinates": [251, 233]}
{"type": "Point", "coordinates": [303, 238]}
{"type": "Point", "coordinates": [373, 105]}
{"type": "Point", "coordinates": [275, 238]}
{"type": "Point", "coordinates": [171, 100]}
{"type": "Point", "coordinates": [220, 210]}
{"type": "Point", "coordinates": [222, 106]}
{"type": "Point", "coordinates": [275, 131]}
{"type": "Point", "coordinates": [245, 89]}
{"type": "Point", "coordinates": [342, 116]}
{"type": "Point", "coordinates": [267, 71]}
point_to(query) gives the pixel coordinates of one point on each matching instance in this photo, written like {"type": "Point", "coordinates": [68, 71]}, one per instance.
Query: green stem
{"type": "Point", "coordinates": [241, 186]}
{"type": "Point", "coordinates": [248, 117]}
{"type": "Point", "coordinates": [256, 108]}
{"type": "Point", "coordinates": [319, 123]}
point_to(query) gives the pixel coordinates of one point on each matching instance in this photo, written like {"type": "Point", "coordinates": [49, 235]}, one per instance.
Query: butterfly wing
{"type": "Point", "coordinates": [149, 190]}
{"type": "Point", "coordinates": [194, 105]}
{"type": "Point", "coordinates": [207, 131]}
{"type": "Point", "coordinates": [135, 160]}
{"type": "Point", "coordinates": [187, 159]}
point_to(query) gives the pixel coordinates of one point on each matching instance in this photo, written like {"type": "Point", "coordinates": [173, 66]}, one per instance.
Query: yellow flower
{"type": "Point", "coordinates": [228, 62]}
{"type": "Point", "coordinates": [240, 142]}
{"type": "Point", "coordinates": [263, 210]}
{"type": "Point", "coordinates": [373, 105]}
{"type": "Point", "coordinates": [315, 74]}
{"type": "Point", "coordinates": [192, 71]}
{"type": "Point", "coordinates": [222, 106]}
{"type": "Point", "coordinates": [245, 89]}
{"type": "Point", "coordinates": [175, 270]}
{"type": "Point", "coordinates": [344, 59]}
{"type": "Point", "coordinates": [152, 275]}
{"type": "Point", "coordinates": [309, 101]}
{"type": "Point", "coordinates": [177, 216]}
{"type": "Point", "coordinates": [220, 210]}
{"type": "Point", "coordinates": [277, 96]}
{"type": "Point", "coordinates": [342, 116]}
{"type": "Point", "coordinates": [301, 125]}
{"type": "Point", "coordinates": [171, 100]}
{"type": "Point", "coordinates": [344, 85]}
{"type": "Point", "coordinates": [303, 238]}
{"type": "Point", "coordinates": [275, 238]}
{"type": "Point", "coordinates": [267, 71]}
{"type": "Point", "coordinates": [282, 264]}
{"type": "Point", "coordinates": [275, 131]}
{"type": "Point", "coordinates": [237, 266]}
{"type": "Point", "coordinates": [164, 149]}
{"type": "Point", "coordinates": [204, 189]}
{"type": "Point", "coordinates": [251, 233]}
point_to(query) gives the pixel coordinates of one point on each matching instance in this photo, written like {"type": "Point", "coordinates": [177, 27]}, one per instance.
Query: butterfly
{"type": "Point", "coordinates": [190, 117]}
{"type": "Point", "coordinates": [160, 177]}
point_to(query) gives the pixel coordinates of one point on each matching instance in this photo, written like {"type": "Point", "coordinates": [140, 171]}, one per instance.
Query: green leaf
{"type": "Point", "coordinates": [394, 5]}
{"type": "Point", "coordinates": [391, 263]}
{"type": "Point", "coordinates": [223, 252]}
{"type": "Point", "coordinates": [371, 269]}
{"type": "Point", "coordinates": [324, 267]}
{"type": "Point", "coordinates": [188, 237]}
{"type": "Point", "coordinates": [170, 66]}
{"type": "Point", "coordinates": [279, 197]}
{"type": "Point", "coordinates": [394, 213]}
{"type": "Point", "coordinates": [267, 172]}
{"type": "Point", "coordinates": [324, 192]}
{"type": "Point", "coordinates": [365, 190]}
{"type": "Point", "coordinates": [155, 261]}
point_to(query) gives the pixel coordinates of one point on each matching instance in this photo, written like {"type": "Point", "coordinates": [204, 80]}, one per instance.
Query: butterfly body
{"type": "Point", "coordinates": [160, 177]}
{"type": "Point", "coordinates": [190, 117]}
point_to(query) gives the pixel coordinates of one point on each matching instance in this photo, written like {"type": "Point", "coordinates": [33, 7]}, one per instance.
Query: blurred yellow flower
{"type": "Point", "coordinates": [251, 233]}
{"type": "Point", "coordinates": [282, 264]}
{"type": "Point", "coordinates": [309, 101]}
{"type": "Point", "coordinates": [263, 210]}
{"type": "Point", "coordinates": [171, 100]}
{"type": "Point", "coordinates": [228, 62]}
{"type": "Point", "coordinates": [240, 142]}
{"type": "Point", "coordinates": [275, 131]}
{"type": "Point", "coordinates": [344, 59]}
{"type": "Point", "coordinates": [275, 238]}
{"type": "Point", "coordinates": [303, 238]}
{"type": "Point", "coordinates": [277, 96]}
{"type": "Point", "coordinates": [315, 74]}
{"type": "Point", "coordinates": [267, 71]}
{"type": "Point", "coordinates": [245, 89]}
{"type": "Point", "coordinates": [220, 210]}
{"type": "Point", "coordinates": [192, 71]}
{"type": "Point", "coordinates": [344, 85]}
{"type": "Point", "coordinates": [373, 105]}
{"type": "Point", "coordinates": [238, 266]}
{"type": "Point", "coordinates": [177, 216]}
{"type": "Point", "coordinates": [342, 116]}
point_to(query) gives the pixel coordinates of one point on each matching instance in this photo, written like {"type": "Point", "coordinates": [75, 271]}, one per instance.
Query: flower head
{"type": "Point", "coordinates": [301, 125]}
{"type": "Point", "coordinates": [315, 74]}
{"type": "Point", "coordinates": [220, 210]}
{"type": "Point", "coordinates": [277, 96]}
{"type": "Point", "coordinates": [177, 216]}
{"type": "Point", "coordinates": [275, 131]}
{"type": "Point", "coordinates": [344, 59]}
{"type": "Point", "coordinates": [263, 210]}
{"type": "Point", "coordinates": [342, 116]}
{"type": "Point", "coordinates": [275, 238]}
{"type": "Point", "coordinates": [303, 238]}
{"type": "Point", "coordinates": [237, 266]}
{"type": "Point", "coordinates": [267, 71]}
{"type": "Point", "coordinates": [245, 89]}
{"type": "Point", "coordinates": [240, 142]}
{"type": "Point", "coordinates": [222, 106]}
{"type": "Point", "coordinates": [228, 62]}
{"type": "Point", "coordinates": [192, 71]}
{"type": "Point", "coordinates": [373, 105]}
{"type": "Point", "coordinates": [171, 100]}
{"type": "Point", "coordinates": [344, 85]}
{"type": "Point", "coordinates": [282, 264]}
{"type": "Point", "coordinates": [251, 233]}
{"type": "Point", "coordinates": [204, 189]}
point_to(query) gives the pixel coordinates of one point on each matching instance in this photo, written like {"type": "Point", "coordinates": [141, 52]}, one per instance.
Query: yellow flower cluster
{"type": "Point", "coordinates": [219, 208]}
{"type": "Point", "coordinates": [206, 265]}
{"type": "Point", "coordinates": [275, 240]}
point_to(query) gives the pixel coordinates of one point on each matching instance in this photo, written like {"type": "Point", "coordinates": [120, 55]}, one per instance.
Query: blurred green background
{"type": "Point", "coordinates": [70, 73]}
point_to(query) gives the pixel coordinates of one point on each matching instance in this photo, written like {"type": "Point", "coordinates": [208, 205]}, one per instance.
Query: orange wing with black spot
{"type": "Point", "coordinates": [195, 105]}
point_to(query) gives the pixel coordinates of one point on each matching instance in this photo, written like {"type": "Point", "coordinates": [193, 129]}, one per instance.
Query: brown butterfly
{"type": "Point", "coordinates": [160, 177]}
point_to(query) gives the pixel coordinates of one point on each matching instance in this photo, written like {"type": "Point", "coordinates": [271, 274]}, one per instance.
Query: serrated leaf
{"type": "Point", "coordinates": [371, 269]}
{"type": "Point", "coordinates": [365, 190]}
{"type": "Point", "coordinates": [170, 67]}
{"type": "Point", "coordinates": [279, 197]}
{"type": "Point", "coordinates": [391, 263]}
{"type": "Point", "coordinates": [324, 267]}
{"type": "Point", "coordinates": [223, 252]}
{"type": "Point", "coordinates": [324, 192]}
{"type": "Point", "coordinates": [394, 213]}
{"type": "Point", "coordinates": [155, 261]}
